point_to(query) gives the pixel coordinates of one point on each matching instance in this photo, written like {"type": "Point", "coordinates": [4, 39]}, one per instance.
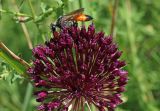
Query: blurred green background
{"type": "Point", "coordinates": [136, 30]}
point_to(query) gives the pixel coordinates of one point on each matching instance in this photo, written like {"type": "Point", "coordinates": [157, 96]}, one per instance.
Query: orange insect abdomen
{"type": "Point", "coordinates": [83, 17]}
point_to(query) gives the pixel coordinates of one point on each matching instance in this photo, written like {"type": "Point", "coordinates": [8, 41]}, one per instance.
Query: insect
{"type": "Point", "coordinates": [70, 19]}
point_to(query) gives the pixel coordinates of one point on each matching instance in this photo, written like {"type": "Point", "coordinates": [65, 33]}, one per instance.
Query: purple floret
{"type": "Point", "coordinates": [78, 68]}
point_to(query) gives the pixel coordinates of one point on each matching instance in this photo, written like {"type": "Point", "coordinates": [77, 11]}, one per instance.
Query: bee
{"type": "Point", "coordinates": [70, 19]}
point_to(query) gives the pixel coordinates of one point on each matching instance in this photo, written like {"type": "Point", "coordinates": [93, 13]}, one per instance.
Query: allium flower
{"type": "Point", "coordinates": [78, 70]}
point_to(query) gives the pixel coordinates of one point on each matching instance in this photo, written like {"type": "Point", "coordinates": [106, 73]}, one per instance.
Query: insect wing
{"type": "Point", "coordinates": [72, 15]}
{"type": "Point", "coordinates": [78, 11]}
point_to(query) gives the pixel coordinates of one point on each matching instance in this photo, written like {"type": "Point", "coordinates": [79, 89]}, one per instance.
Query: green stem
{"type": "Point", "coordinates": [34, 17]}
{"type": "Point", "coordinates": [27, 97]}
{"type": "Point", "coordinates": [33, 12]}
{"type": "Point", "coordinates": [29, 86]}
{"type": "Point", "coordinates": [80, 3]}
{"type": "Point", "coordinates": [138, 76]}
{"type": "Point", "coordinates": [0, 8]}
{"type": "Point", "coordinates": [114, 14]}
{"type": "Point", "coordinates": [23, 27]}
{"type": "Point", "coordinates": [15, 13]}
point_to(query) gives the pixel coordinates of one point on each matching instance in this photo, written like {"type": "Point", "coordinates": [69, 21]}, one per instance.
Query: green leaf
{"type": "Point", "coordinates": [8, 74]}
{"type": "Point", "coordinates": [65, 1]}
{"type": "Point", "coordinates": [43, 7]}
{"type": "Point", "coordinates": [14, 61]}
{"type": "Point", "coordinates": [59, 11]}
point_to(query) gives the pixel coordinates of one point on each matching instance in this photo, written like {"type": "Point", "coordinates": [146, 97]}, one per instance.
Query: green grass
{"type": "Point", "coordinates": [136, 32]}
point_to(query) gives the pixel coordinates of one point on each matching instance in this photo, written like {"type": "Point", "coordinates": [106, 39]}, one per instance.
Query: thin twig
{"type": "Point", "coordinates": [24, 29]}
{"type": "Point", "coordinates": [114, 14]}
{"type": "Point", "coordinates": [15, 57]}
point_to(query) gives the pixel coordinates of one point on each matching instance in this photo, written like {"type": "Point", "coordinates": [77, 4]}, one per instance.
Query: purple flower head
{"type": "Point", "coordinates": [78, 69]}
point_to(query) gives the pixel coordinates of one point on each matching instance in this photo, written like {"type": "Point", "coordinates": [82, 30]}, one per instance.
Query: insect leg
{"type": "Point", "coordinates": [75, 23]}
